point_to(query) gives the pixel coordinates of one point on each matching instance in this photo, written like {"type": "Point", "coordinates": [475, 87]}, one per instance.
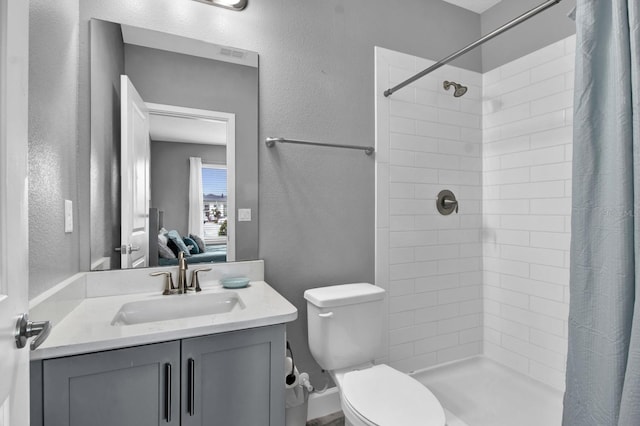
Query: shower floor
{"type": "Point", "coordinates": [480, 392]}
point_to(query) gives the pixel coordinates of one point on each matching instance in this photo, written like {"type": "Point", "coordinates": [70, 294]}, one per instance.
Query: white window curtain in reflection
{"type": "Point", "coordinates": [196, 204]}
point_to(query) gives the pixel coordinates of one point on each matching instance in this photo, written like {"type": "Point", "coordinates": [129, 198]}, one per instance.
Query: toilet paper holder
{"type": "Point", "coordinates": [290, 379]}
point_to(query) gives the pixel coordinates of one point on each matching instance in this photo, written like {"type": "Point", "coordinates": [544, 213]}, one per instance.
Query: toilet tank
{"type": "Point", "coordinates": [345, 324]}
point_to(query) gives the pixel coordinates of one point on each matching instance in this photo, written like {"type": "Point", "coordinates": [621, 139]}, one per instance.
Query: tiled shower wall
{"type": "Point", "coordinates": [493, 278]}
{"type": "Point", "coordinates": [431, 265]}
{"type": "Point", "coordinates": [527, 141]}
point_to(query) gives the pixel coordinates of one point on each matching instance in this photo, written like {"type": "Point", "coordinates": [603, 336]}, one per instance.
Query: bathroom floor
{"type": "Point", "coordinates": [481, 392]}
{"type": "Point", "coordinates": [335, 419]}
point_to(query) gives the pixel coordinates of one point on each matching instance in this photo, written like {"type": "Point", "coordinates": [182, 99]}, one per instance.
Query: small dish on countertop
{"type": "Point", "coordinates": [237, 282]}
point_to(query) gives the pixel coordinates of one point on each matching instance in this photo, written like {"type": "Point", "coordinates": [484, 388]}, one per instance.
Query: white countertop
{"type": "Point", "coordinates": [87, 328]}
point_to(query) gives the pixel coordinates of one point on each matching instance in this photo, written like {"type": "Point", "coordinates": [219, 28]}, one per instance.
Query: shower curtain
{"type": "Point", "coordinates": [603, 363]}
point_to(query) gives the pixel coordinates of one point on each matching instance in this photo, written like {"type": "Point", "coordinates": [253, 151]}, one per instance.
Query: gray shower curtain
{"type": "Point", "coordinates": [603, 364]}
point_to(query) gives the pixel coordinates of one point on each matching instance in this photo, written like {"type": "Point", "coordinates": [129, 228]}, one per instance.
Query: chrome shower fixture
{"type": "Point", "coordinates": [459, 88]}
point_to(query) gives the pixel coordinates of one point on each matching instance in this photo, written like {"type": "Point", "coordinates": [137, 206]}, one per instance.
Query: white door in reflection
{"type": "Point", "coordinates": [135, 157]}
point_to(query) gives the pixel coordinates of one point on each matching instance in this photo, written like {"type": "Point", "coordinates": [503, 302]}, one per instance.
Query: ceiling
{"type": "Point", "coordinates": [168, 128]}
{"type": "Point", "coordinates": [477, 6]}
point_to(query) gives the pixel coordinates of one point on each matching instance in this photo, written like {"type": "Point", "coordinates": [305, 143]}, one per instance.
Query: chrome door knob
{"type": "Point", "coordinates": [126, 249]}
{"type": "Point", "coordinates": [26, 329]}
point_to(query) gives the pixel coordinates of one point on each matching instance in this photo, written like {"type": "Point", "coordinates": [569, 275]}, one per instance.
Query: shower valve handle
{"type": "Point", "coordinates": [448, 203]}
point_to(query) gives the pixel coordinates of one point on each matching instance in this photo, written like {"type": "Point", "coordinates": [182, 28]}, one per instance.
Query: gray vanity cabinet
{"type": "Point", "coordinates": [234, 379]}
{"type": "Point", "coordinates": [137, 386]}
{"type": "Point", "coordinates": [227, 379]}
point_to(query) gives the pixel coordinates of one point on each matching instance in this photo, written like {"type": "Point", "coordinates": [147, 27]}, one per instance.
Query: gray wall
{"type": "Point", "coordinates": [316, 206]}
{"type": "Point", "coordinates": [316, 82]}
{"type": "Point", "coordinates": [170, 178]}
{"type": "Point", "coordinates": [540, 31]}
{"type": "Point", "coordinates": [107, 63]}
{"type": "Point", "coordinates": [188, 81]}
{"type": "Point", "coordinates": [53, 159]}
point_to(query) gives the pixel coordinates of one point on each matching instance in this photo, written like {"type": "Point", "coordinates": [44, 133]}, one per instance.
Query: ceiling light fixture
{"type": "Point", "coordinates": [227, 4]}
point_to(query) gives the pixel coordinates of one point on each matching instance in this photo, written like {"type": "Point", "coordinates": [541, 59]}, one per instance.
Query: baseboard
{"type": "Point", "coordinates": [322, 404]}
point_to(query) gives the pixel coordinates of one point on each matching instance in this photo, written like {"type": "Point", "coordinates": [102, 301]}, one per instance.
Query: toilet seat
{"type": "Point", "coordinates": [386, 397]}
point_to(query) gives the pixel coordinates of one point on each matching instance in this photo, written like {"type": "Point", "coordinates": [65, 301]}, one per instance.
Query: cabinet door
{"type": "Point", "coordinates": [137, 386]}
{"type": "Point", "coordinates": [234, 379]}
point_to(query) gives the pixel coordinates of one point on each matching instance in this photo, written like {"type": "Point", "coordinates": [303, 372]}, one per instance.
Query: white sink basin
{"type": "Point", "coordinates": [177, 306]}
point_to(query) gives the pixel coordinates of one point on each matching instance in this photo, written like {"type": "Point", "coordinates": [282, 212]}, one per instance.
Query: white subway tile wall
{"type": "Point", "coordinates": [527, 133]}
{"type": "Point", "coordinates": [494, 278]}
{"type": "Point", "coordinates": [432, 267]}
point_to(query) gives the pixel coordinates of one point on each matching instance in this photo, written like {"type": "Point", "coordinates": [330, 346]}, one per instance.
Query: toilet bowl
{"type": "Point", "coordinates": [381, 395]}
{"type": "Point", "coordinates": [345, 335]}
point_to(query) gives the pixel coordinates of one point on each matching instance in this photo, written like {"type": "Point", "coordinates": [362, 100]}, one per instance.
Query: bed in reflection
{"type": "Point", "coordinates": [215, 253]}
{"type": "Point", "coordinates": [165, 244]}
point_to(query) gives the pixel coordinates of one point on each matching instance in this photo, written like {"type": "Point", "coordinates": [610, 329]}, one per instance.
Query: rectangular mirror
{"type": "Point", "coordinates": [174, 149]}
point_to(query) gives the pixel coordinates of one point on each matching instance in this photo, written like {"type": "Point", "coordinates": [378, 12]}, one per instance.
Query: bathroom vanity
{"type": "Point", "coordinates": [220, 379]}
{"type": "Point", "coordinates": [225, 368]}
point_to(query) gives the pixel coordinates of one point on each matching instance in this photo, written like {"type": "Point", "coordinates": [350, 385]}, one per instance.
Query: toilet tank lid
{"type": "Point", "coordinates": [344, 294]}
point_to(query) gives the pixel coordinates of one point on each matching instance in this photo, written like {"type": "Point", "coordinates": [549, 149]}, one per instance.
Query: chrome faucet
{"type": "Point", "coordinates": [182, 273]}
{"type": "Point", "coordinates": [182, 287]}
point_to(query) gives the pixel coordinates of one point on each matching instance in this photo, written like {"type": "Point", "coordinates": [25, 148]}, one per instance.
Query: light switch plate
{"type": "Point", "coordinates": [68, 216]}
{"type": "Point", "coordinates": [244, 215]}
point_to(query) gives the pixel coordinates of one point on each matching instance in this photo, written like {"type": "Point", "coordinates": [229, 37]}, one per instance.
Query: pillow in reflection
{"type": "Point", "coordinates": [175, 238]}
{"type": "Point", "coordinates": [163, 250]}
{"type": "Point", "coordinates": [191, 245]}
{"type": "Point", "coordinates": [200, 242]}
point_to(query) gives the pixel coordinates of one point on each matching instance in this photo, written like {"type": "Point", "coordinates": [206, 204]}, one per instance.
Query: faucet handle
{"type": "Point", "coordinates": [182, 261]}
{"type": "Point", "coordinates": [169, 287]}
{"type": "Point", "coordinates": [195, 281]}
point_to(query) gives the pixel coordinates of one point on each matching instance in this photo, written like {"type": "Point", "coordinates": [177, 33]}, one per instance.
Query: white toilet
{"type": "Point", "coordinates": [345, 336]}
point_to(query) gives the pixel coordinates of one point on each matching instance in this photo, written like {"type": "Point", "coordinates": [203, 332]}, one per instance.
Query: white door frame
{"type": "Point", "coordinates": [230, 120]}
{"type": "Point", "coordinates": [14, 225]}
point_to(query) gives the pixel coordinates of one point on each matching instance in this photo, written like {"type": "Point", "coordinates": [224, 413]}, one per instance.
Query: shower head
{"type": "Point", "coordinates": [459, 88]}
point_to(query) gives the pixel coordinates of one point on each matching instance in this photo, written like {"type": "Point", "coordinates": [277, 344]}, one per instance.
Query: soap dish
{"type": "Point", "coordinates": [239, 282]}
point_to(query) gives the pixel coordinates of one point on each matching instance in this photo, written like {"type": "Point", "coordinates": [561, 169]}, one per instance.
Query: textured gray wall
{"type": "Point", "coordinates": [170, 178]}
{"type": "Point", "coordinates": [171, 78]}
{"type": "Point", "coordinates": [53, 109]}
{"type": "Point", "coordinates": [540, 31]}
{"type": "Point", "coordinates": [316, 82]}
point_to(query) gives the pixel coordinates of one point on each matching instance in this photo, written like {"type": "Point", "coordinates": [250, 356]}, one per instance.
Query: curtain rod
{"type": "Point", "coordinates": [270, 142]}
{"type": "Point", "coordinates": [544, 6]}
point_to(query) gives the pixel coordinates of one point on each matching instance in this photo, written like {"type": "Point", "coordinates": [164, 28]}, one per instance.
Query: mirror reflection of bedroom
{"type": "Point", "coordinates": [165, 126]}
{"type": "Point", "coordinates": [189, 173]}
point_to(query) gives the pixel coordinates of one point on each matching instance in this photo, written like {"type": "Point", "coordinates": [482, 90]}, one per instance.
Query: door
{"type": "Point", "coordinates": [134, 168]}
{"type": "Point", "coordinates": [234, 378]}
{"type": "Point", "coordinates": [137, 386]}
{"type": "Point", "coordinates": [14, 263]}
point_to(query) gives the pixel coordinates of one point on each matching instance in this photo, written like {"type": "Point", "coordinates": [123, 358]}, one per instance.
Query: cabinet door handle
{"type": "Point", "coordinates": [192, 387]}
{"type": "Point", "coordinates": [167, 392]}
